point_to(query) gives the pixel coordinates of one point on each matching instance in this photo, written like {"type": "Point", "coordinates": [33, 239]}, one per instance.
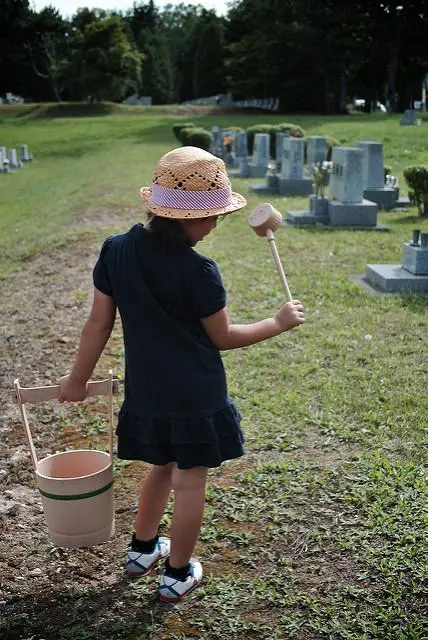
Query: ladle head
{"type": "Point", "coordinates": [264, 218]}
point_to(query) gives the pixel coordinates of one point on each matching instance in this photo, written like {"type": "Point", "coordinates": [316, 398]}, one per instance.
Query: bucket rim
{"type": "Point", "coordinates": [73, 451]}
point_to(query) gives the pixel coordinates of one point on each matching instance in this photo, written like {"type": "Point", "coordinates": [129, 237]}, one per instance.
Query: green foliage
{"type": "Point", "coordinates": [196, 137]}
{"type": "Point", "coordinates": [331, 142]}
{"type": "Point", "coordinates": [417, 179]}
{"type": "Point", "coordinates": [176, 128]}
{"type": "Point", "coordinates": [293, 130]}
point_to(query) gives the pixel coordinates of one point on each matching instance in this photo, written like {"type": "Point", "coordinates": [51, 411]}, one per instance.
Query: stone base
{"type": "Point", "coordinates": [360, 214]}
{"type": "Point", "coordinates": [385, 198]}
{"type": "Point", "coordinates": [305, 218]}
{"type": "Point", "coordinates": [403, 202]}
{"type": "Point", "coordinates": [262, 189]}
{"type": "Point", "coordinates": [415, 259]}
{"type": "Point", "coordinates": [290, 187]}
{"type": "Point", "coordinates": [257, 170]}
{"type": "Point", "coordinates": [318, 205]}
{"type": "Point", "coordinates": [242, 172]}
{"type": "Point", "coordinates": [392, 278]}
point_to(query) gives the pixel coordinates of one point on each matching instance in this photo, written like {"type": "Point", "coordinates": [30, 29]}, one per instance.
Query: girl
{"type": "Point", "coordinates": [176, 413]}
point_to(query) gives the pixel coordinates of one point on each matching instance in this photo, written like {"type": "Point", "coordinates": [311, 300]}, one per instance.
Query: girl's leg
{"type": "Point", "coordinates": [153, 499]}
{"type": "Point", "coordinates": [189, 501]}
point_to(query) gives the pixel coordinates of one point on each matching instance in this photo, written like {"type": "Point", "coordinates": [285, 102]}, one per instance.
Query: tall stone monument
{"type": "Point", "coordinates": [374, 176]}
{"type": "Point", "coordinates": [261, 156]}
{"type": "Point", "coordinates": [292, 181]}
{"type": "Point", "coordinates": [347, 205]}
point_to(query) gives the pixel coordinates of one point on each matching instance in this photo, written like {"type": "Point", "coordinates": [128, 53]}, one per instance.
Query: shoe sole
{"type": "Point", "coordinates": [148, 570]}
{"type": "Point", "coordinates": [175, 600]}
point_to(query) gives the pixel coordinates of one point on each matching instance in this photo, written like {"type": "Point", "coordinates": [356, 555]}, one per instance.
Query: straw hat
{"type": "Point", "coordinates": [191, 183]}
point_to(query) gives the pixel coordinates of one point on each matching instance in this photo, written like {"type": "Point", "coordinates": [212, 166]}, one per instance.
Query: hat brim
{"type": "Point", "coordinates": [236, 202]}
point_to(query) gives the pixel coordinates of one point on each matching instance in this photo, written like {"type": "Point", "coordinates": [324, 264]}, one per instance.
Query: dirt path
{"type": "Point", "coordinates": [43, 308]}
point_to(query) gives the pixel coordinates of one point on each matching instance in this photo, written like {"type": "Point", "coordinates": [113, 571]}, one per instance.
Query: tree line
{"type": "Point", "coordinates": [313, 55]}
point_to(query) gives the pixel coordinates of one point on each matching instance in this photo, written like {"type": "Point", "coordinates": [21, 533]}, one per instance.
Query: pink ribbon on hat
{"type": "Point", "coordinates": [181, 199]}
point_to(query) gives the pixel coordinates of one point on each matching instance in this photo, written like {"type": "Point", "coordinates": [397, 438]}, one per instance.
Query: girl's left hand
{"type": "Point", "coordinates": [72, 390]}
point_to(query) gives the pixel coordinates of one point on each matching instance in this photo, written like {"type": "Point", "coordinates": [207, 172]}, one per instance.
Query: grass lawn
{"type": "Point", "coordinates": [322, 534]}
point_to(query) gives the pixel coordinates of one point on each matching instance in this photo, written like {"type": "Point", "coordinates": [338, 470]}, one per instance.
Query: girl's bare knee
{"type": "Point", "coordinates": [189, 479]}
{"type": "Point", "coordinates": [162, 471]}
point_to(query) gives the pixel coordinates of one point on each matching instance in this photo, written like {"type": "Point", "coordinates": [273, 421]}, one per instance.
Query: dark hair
{"type": "Point", "coordinates": [167, 233]}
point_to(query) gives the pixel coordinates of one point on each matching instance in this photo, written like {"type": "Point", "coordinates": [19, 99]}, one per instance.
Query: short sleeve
{"type": "Point", "coordinates": [100, 273]}
{"type": "Point", "coordinates": [207, 294]}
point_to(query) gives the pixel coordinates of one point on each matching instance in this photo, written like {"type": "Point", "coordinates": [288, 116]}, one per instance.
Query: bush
{"type": "Point", "coordinates": [331, 142]}
{"type": "Point", "coordinates": [293, 129]}
{"type": "Point", "coordinates": [417, 179]}
{"type": "Point", "coordinates": [176, 128]}
{"type": "Point", "coordinates": [196, 137]}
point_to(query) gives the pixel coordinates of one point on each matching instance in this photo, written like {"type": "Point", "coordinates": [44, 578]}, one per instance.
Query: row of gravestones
{"type": "Point", "coordinates": [356, 191]}
{"type": "Point", "coordinates": [357, 187]}
{"type": "Point", "coordinates": [10, 160]}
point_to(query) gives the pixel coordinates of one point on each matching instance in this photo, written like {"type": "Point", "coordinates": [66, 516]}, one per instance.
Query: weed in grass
{"type": "Point", "coordinates": [77, 632]}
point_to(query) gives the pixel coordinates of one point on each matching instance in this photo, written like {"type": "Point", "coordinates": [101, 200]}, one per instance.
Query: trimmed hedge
{"type": "Point", "coordinates": [176, 128]}
{"type": "Point", "coordinates": [417, 179]}
{"type": "Point", "coordinates": [331, 142]}
{"type": "Point", "coordinates": [196, 137]}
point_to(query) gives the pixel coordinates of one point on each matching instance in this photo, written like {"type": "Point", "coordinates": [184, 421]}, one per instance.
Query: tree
{"type": "Point", "coordinates": [104, 64]}
{"type": "Point", "coordinates": [15, 16]}
{"type": "Point", "coordinates": [47, 49]}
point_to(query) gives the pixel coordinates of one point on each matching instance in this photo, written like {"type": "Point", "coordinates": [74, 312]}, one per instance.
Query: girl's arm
{"type": "Point", "coordinates": [231, 336]}
{"type": "Point", "coordinates": [94, 336]}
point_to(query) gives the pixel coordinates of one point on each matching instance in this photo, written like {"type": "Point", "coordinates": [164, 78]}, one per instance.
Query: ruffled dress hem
{"type": "Point", "coordinates": [206, 441]}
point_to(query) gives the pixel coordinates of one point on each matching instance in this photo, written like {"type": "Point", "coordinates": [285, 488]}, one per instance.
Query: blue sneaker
{"type": "Point", "coordinates": [172, 590]}
{"type": "Point", "coordinates": [140, 564]}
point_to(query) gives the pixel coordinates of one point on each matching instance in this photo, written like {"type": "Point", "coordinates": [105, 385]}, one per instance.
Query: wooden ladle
{"type": "Point", "coordinates": [265, 219]}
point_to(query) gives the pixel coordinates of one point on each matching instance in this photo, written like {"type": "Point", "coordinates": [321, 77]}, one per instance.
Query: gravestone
{"type": "Point", "coordinates": [411, 276]}
{"type": "Point", "coordinates": [316, 150]}
{"type": "Point", "coordinates": [24, 154]}
{"type": "Point", "coordinates": [3, 157]}
{"type": "Point", "coordinates": [409, 117]}
{"type": "Point", "coordinates": [12, 156]}
{"type": "Point", "coordinates": [229, 148]}
{"type": "Point", "coordinates": [279, 138]}
{"type": "Point", "coordinates": [217, 142]}
{"type": "Point", "coordinates": [241, 145]}
{"type": "Point", "coordinates": [261, 156]}
{"type": "Point", "coordinates": [374, 185]}
{"type": "Point", "coordinates": [346, 206]}
{"type": "Point", "coordinates": [292, 181]}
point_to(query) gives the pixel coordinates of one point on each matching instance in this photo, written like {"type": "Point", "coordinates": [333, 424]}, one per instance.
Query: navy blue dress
{"type": "Point", "coordinates": [176, 407]}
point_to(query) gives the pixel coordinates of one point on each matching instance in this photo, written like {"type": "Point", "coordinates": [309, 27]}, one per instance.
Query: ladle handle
{"type": "Point", "coordinates": [271, 240]}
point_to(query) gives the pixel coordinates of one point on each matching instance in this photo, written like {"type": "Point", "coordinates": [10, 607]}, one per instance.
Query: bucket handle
{"type": "Point", "coordinates": [24, 395]}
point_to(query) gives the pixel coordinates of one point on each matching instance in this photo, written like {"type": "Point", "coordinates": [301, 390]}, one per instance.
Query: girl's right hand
{"type": "Point", "coordinates": [290, 315]}
{"type": "Point", "coordinates": [72, 390]}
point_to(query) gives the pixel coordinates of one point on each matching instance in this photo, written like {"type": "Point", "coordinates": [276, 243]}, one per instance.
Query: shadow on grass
{"type": "Point", "coordinates": [415, 219]}
{"type": "Point", "coordinates": [417, 303]}
{"type": "Point", "coordinates": [111, 612]}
